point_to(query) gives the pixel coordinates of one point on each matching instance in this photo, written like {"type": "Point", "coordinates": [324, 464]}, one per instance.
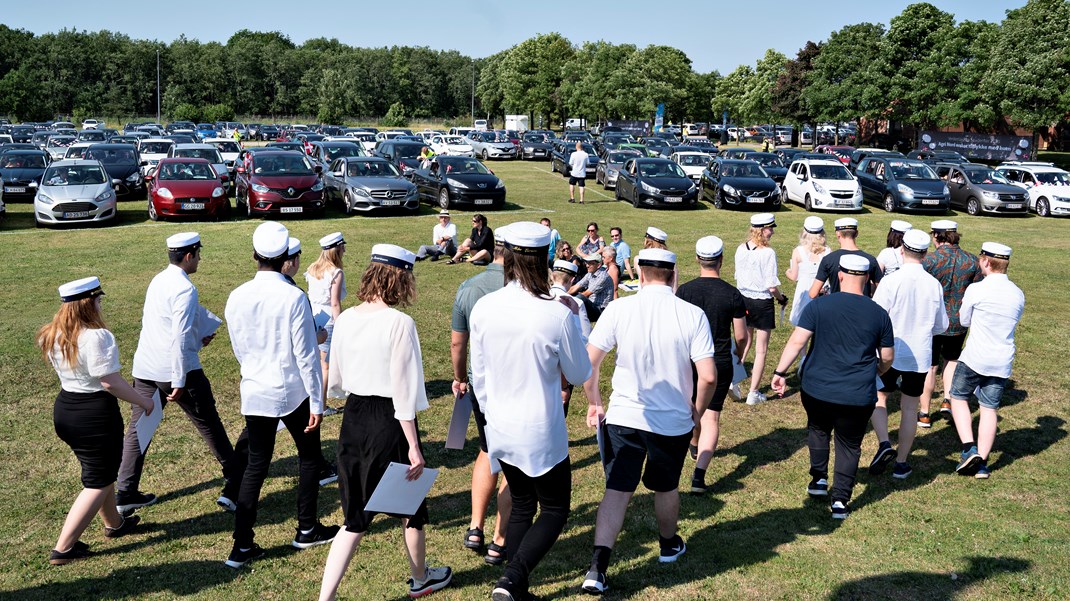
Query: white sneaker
{"type": "Point", "coordinates": [755, 397]}
{"type": "Point", "coordinates": [734, 393]}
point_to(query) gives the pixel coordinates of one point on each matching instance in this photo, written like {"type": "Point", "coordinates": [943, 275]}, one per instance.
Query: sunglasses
{"type": "Point", "coordinates": [591, 231]}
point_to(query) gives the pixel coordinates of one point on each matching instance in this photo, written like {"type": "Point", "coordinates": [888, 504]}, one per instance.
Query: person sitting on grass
{"type": "Point", "coordinates": [479, 245]}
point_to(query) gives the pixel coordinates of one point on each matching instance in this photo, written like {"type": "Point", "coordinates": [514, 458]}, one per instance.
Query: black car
{"type": "Point", "coordinates": [21, 172]}
{"type": "Point", "coordinates": [772, 164]}
{"type": "Point", "coordinates": [267, 132]}
{"type": "Point", "coordinates": [937, 156]}
{"type": "Point", "coordinates": [733, 153]}
{"type": "Point", "coordinates": [657, 146]}
{"type": "Point", "coordinates": [404, 154]}
{"type": "Point", "coordinates": [453, 181]}
{"type": "Point", "coordinates": [295, 146]}
{"type": "Point", "coordinates": [22, 133]}
{"type": "Point", "coordinates": [739, 183]}
{"type": "Point", "coordinates": [535, 146]}
{"type": "Point", "coordinates": [123, 163]}
{"type": "Point", "coordinates": [651, 182]}
{"type": "Point", "coordinates": [182, 139]}
{"type": "Point", "coordinates": [563, 150]}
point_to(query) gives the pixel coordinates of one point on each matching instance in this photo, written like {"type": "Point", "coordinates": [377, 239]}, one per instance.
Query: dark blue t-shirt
{"type": "Point", "coordinates": [841, 365]}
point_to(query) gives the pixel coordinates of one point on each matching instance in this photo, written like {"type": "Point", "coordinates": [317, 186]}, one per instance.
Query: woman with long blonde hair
{"type": "Point", "coordinates": [804, 261]}
{"type": "Point", "coordinates": [657, 238]}
{"type": "Point", "coordinates": [326, 291]}
{"type": "Point", "coordinates": [757, 281]}
{"type": "Point", "coordinates": [86, 415]}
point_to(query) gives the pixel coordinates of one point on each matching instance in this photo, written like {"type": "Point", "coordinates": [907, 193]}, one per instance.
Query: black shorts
{"type": "Point", "coordinates": [760, 313]}
{"type": "Point", "coordinates": [720, 392]}
{"type": "Point", "coordinates": [577, 181]}
{"type": "Point", "coordinates": [912, 384]}
{"type": "Point", "coordinates": [626, 449]}
{"type": "Point", "coordinates": [481, 421]}
{"type": "Point", "coordinates": [947, 347]}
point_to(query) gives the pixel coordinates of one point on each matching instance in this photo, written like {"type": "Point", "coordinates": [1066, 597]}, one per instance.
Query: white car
{"type": "Point", "coordinates": [151, 151]}
{"type": "Point", "coordinates": [230, 150]}
{"type": "Point", "coordinates": [1047, 186]}
{"type": "Point", "coordinates": [389, 135]}
{"type": "Point", "coordinates": [692, 163]}
{"type": "Point", "coordinates": [77, 150]}
{"type": "Point", "coordinates": [455, 146]}
{"type": "Point", "coordinates": [203, 151]}
{"type": "Point", "coordinates": [92, 124]}
{"type": "Point", "coordinates": [480, 125]}
{"type": "Point", "coordinates": [364, 138]}
{"type": "Point", "coordinates": [74, 191]}
{"type": "Point", "coordinates": [821, 184]}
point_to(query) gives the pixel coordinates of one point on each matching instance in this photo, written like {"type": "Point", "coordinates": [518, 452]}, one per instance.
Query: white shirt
{"type": "Point", "coordinates": [98, 356]}
{"type": "Point", "coordinates": [376, 352]}
{"type": "Point", "coordinates": [274, 340]}
{"type": "Point", "coordinates": [991, 309]}
{"type": "Point", "coordinates": [657, 337]}
{"type": "Point", "coordinates": [559, 291]}
{"type": "Point", "coordinates": [444, 231]}
{"type": "Point", "coordinates": [521, 345]}
{"type": "Point", "coordinates": [891, 258]}
{"type": "Point", "coordinates": [168, 346]}
{"type": "Point", "coordinates": [914, 301]}
{"type": "Point", "coordinates": [577, 162]}
{"type": "Point", "coordinates": [319, 289]}
{"type": "Point", "coordinates": [756, 271]}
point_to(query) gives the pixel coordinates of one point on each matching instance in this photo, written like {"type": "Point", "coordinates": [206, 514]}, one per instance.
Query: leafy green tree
{"type": "Point", "coordinates": [914, 65]}
{"type": "Point", "coordinates": [729, 95]}
{"type": "Point", "coordinates": [963, 101]}
{"type": "Point", "coordinates": [847, 82]}
{"type": "Point", "coordinates": [396, 117]}
{"type": "Point", "coordinates": [788, 101]}
{"type": "Point", "coordinates": [701, 88]}
{"type": "Point", "coordinates": [531, 74]}
{"type": "Point", "coordinates": [757, 101]}
{"type": "Point", "coordinates": [489, 87]}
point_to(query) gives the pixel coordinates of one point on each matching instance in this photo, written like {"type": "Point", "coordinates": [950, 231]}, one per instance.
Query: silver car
{"type": "Point", "coordinates": [75, 191]}
{"type": "Point", "coordinates": [487, 145]}
{"type": "Point", "coordinates": [365, 184]}
{"type": "Point", "coordinates": [609, 167]}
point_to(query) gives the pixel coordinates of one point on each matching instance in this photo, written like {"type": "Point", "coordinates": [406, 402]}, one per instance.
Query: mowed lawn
{"type": "Point", "coordinates": [755, 535]}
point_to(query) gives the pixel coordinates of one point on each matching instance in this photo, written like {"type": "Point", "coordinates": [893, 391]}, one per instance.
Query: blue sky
{"type": "Point", "coordinates": [715, 34]}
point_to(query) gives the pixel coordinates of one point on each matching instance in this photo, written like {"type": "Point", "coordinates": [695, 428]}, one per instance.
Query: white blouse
{"type": "Point", "coordinates": [756, 271]}
{"type": "Point", "coordinates": [98, 356]}
{"type": "Point", "coordinates": [319, 289]}
{"type": "Point", "coordinates": [376, 352]}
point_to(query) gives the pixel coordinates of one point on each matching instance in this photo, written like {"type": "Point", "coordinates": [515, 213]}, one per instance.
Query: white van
{"type": "Point", "coordinates": [575, 123]}
{"type": "Point", "coordinates": [480, 124]}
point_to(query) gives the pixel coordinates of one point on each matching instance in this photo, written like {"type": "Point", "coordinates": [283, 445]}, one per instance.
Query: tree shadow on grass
{"type": "Point", "coordinates": [907, 586]}
{"type": "Point", "coordinates": [179, 579]}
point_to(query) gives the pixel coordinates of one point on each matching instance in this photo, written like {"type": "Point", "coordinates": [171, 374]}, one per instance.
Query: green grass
{"type": "Point", "coordinates": [755, 536]}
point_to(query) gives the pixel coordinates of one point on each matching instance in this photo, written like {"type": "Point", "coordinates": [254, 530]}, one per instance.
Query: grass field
{"type": "Point", "coordinates": [754, 536]}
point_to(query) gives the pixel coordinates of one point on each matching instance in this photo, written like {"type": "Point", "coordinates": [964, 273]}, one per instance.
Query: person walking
{"type": "Point", "coordinates": [851, 343]}
{"type": "Point", "coordinates": [577, 172]}
{"type": "Point", "coordinates": [804, 261]}
{"type": "Point", "coordinates": [524, 342]}
{"type": "Point", "coordinates": [326, 290]}
{"type": "Point", "coordinates": [377, 366]}
{"type": "Point", "coordinates": [991, 309]}
{"type": "Point", "coordinates": [647, 429]}
{"type": "Point", "coordinates": [826, 282]}
{"type": "Point", "coordinates": [914, 301]}
{"type": "Point", "coordinates": [86, 416]}
{"type": "Point", "coordinates": [757, 281]}
{"type": "Point", "coordinates": [890, 258]}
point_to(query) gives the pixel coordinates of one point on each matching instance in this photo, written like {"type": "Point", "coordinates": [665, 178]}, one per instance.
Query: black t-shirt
{"type": "Point", "coordinates": [483, 239]}
{"type": "Point", "coordinates": [721, 302]}
{"type": "Point", "coordinates": [829, 269]}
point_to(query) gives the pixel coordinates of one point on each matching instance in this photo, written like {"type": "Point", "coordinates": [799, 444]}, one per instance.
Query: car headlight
{"type": "Point", "coordinates": [33, 184]}
{"type": "Point", "coordinates": [906, 190]}
{"type": "Point", "coordinates": [858, 193]}
{"type": "Point", "coordinates": [456, 183]}
{"type": "Point", "coordinates": [411, 192]}
{"type": "Point", "coordinates": [260, 188]}
{"type": "Point", "coordinates": [105, 195]}
{"type": "Point", "coordinates": [649, 189]}
{"type": "Point", "coordinates": [45, 199]}
{"type": "Point", "coordinates": [691, 187]}
{"type": "Point", "coordinates": [218, 192]}
{"type": "Point", "coordinates": [611, 172]}
{"type": "Point", "coordinates": [317, 186]}
{"type": "Point", "coordinates": [990, 195]}
{"type": "Point", "coordinates": [819, 188]}
{"type": "Point", "coordinates": [164, 192]}
{"type": "Point", "coordinates": [730, 190]}
{"type": "Point", "coordinates": [946, 192]}
{"type": "Point", "coordinates": [133, 177]}
{"type": "Point", "coordinates": [362, 192]}
{"type": "Point", "coordinates": [1062, 198]}
{"type": "Point", "coordinates": [500, 184]}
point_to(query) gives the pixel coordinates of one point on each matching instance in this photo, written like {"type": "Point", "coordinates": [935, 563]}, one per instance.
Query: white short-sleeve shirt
{"type": "Point", "coordinates": [98, 356]}
{"type": "Point", "coordinates": [914, 301]}
{"type": "Point", "coordinates": [756, 271]}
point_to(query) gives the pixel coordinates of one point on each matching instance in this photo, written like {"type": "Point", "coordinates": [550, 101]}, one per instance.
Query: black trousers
{"type": "Point", "coordinates": [529, 539]}
{"type": "Point", "coordinates": [261, 439]}
{"type": "Point", "coordinates": [199, 404]}
{"type": "Point", "coordinates": [848, 424]}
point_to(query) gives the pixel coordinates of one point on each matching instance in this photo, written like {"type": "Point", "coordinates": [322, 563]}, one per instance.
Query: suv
{"type": "Point", "coordinates": [979, 189]}
{"type": "Point", "coordinates": [900, 183]}
{"type": "Point", "coordinates": [1047, 186]}
{"type": "Point", "coordinates": [404, 154]}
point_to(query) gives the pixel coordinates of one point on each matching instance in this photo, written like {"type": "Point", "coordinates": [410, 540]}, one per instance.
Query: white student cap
{"type": "Point", "coordinates": [944, 225]}
{"type": "Point", "coordinates": [394, 255]}
{"type": "Point", "coordinates": [916, 240]}
{"type": "Point", "coordinates": [293, 248]}
{"type": "Point", "coordinates": [901, 226]}
{"type": "Point", "coordinates": [332, 240]}
{"type": "Point", "coordinates": [996, 250]}
{"type": "Point", "coordinates": [763, 220]}
{"type": "Point", "coordinates": [854, 265]}
{"type": "Point", "coordinates": [499, 235]}
{"type": "Point", "coordinates": [183, 240]}
{"type": "Point", "coordinates": [566, 267]}
{"type": "Point", "coordinates": [271, 239]}
{"type": "Point", "coordinates": [709, 247]}
{"type": "Point", "coordinates": [527, 238]}
{"type": "Point", "coordinates": [814, 224]}
{"type": "Point", "coordinates": [657, 257]}
{"type": "Point", "coordinates": [846, 223]}
{"type": "Point", "coordinates": [79, 289]}
{"type": "Point", "coordinates": [655, 234]}
{"type": "Point", "coordinates": [443, 213]}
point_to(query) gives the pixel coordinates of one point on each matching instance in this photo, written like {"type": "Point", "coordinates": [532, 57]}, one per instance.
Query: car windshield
{"type": "Point", "coordinates": [619, 157]}
{"type": "Point", "coordinates": [693, 160]}
{"type": "Point", "coordinates": [74, 175]}
{"type": "Point", "coordinates": [186, 171]}
{"type": "Point", "coordinates": [56, 141]}
{"type": "Point", "coordinates": [465, 166]}
{"type": "Point", "coordinates": [372, 169]}
{"type": "Point", "coordinates": [287, 146]}
{"type": "Point", "coordinates": [457, 140]}
{"type": "Point", "coordinates": [947, 155]}
{"type": "Point", "coordinates": [334, 152]}
{"type": "Point", "coordinates": [830, 172]}
{"type": "Point", "coordinates": [111, 156]}
{"type": "Point", "coordinates": [537, 138]}
{"type": "Point", "coordinates": [24, 161]}
{"type": "Point", "coordinates": [743, 170]}
{"type": "Point", "coordinates": [282, 164]}
{"type": "Point", "coordinates": [984, 175]}
{"type": "Point", "coordinates": [911, 170]}
{"type": "Point", "coordinates": [767, 161]}
{"type": "Point", "coordinates": [405, 151]}
{"type": "Point", "coordinates": [656, 170]}
{"type": "Point", "coordinates": [205, 126]}
{"type": "Point", "coordinates": [1054, 178]}
{"type": "Point", "coordinates": [91, 136]}
{"type": "Point", "coordinates": [209, 154]}
{"type": "Point", "coordinates": [75, 152]}
{"type": "Point", "coordinates": [228, 147]}
{"type": "Point", "coordinates": [156, 147]}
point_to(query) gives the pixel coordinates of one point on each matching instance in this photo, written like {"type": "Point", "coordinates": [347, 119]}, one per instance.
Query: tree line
{"type": "Point", "coordinates": [925, 69]}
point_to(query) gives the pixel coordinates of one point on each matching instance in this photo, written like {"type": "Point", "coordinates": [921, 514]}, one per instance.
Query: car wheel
{"type": "Point", "coordinates": [553, 166]}
{"type": "Point", "coordinates": [889, 203]}
{"type": "Point", "coordinates": [808, 203]}
{"type": "Point", "coordinates": [616, 194]}
{"type": "Point", "coordinates": [486, 155]}
{"type": "Point", "coordinates": [248, 207]}
{"type": "Point", "coordinates": [973, 207]}
{"type": "Point", "coordinates": [635, 197]}
{"type": "Point", "coordinates": [347, 203]}
{"type": "Point", "coordinates": [718, 200]}
{"type": "Point", "coordinates": [1042, 207]}
{"type": "Point", "coordinates": [444, 199]}
{"type": "Point", "coordinates": [153, 215]}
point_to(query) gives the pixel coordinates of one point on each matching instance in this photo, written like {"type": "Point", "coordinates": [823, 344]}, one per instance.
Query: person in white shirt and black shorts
{"type": "Point", "coordinates": [577, 172]}
{"type": "Point", "coordinates": [757, 281]}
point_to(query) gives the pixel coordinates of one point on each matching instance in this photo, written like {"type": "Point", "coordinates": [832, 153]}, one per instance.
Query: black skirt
{"type": "Point", "coordinates": [91, 425]}
{"type": "Point", "coordinates": [370, 438]}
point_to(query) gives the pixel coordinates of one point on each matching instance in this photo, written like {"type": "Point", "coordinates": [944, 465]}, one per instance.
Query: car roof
{"type": "Point", "coordinates": [204, 146]}
{"type": "Point", "coordinates": [210, 140]}
{"type": "Point", "coordinates": [184, 160]}
{"type": "Point", "coordinates": [830, 162]}
{"type": "Point", "coordinates": [74, 162]}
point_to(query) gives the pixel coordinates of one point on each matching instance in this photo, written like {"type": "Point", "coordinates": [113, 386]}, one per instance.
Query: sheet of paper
{"type": "Point", "coordinates": [462, 413]}
{"type": "Point", "coordinates": [739, 372]}
{"type": "Point", "coordinates": [600, 437]}
{"type": "Point", "coordinates": [147, 424]}
{"type": "Point", "coordinates": [396, 495]}
{"type": "Point", "coordinates": [321, 319]}
{"type": "Point", "coordinates": [207, 322]}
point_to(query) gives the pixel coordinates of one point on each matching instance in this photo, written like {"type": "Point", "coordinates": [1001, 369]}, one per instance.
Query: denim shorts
{"type": "Point", "coordinates": [989, 389]}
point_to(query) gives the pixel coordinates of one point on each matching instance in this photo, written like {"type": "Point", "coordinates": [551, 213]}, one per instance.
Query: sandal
{"type": "Point", "coordinates": [495, 560]}
{"type": "Point", "coordinates": [475, 545]}
{"type": "Point", "coordinates": [451, 262]}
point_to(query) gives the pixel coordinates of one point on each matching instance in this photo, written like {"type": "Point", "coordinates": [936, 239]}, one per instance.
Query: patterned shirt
{"type": "Point", "coordinates": [955, 269]}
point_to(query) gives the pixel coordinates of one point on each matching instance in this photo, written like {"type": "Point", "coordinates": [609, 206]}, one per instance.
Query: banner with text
{"type": "Point", "coordinates": [635, 128]}
{"type": "Point", "coordinates": [990, 147]}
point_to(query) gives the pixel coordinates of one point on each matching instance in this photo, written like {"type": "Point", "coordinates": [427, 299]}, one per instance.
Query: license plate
{"type": "Point", "coordinates": [845, 204]}
{"type": "Point", "coordinates": [933, 201]}
{"type": "Point", "coordinates": [1016, 205]}
{"type": "Point", "coordinates": [291, 209]}
{"type": "Point", "coordinates": [484, 201]}
{"type": "Point", "coordinates": [756, 200]}
{"type": "Point", "coordinates": [193, 206]}
{"type": "Point", "coordinates": [76, 214]}
{"type": "Point", "coordinates": [13, 190]}
{"type": "Point", "coordinates": [674, 199]}
{"type": "Point", "coordinates": [390, 203]}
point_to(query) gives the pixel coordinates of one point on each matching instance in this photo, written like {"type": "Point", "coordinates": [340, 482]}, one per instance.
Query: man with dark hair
{"type": "Point", "coordinates": [846, 233]}
{"type": "Point", "coordinates": [624, 252]}
{"type": "Point", "coordinates": [479, 245]}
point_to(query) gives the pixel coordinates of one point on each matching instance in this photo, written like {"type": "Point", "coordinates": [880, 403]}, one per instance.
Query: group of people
{"type": "Point", "coordinates": [523, 336]}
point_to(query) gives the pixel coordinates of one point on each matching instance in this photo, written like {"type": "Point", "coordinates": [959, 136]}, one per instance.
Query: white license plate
{"type": "Point", "coordinates": [933, 201]}
{"type": "Point", "coordinates": [484, 201]}
{"type": "Point", "coordinates": [12, 190]}
{"type": "Point", "coordinates": [1016, 205]}
{"type": "Point", "coordinates": [390, 203]}
{"type": "Point", "coordinates": [76, 215]}
{"type": "Point", "coordinates": [674, 199]}
{"type": "Point", "coordinates": [845, 204]}
{"type": "Point", "coordinates": [756, 200]}
{"type": "Point", "coordinates": [193, 206]}
{"type": "Point", "coordinates": [291, 209]}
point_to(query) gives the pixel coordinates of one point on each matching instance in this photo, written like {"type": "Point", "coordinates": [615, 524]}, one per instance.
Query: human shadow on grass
{"type": "Point", "coordinates": [1025, 442]}
{"type": "Point", "coordinates": [176, 579]}
{"type": "Point", "coordinates": [926, 585]}
{"type": "Point", "coordinates": [766, 449]}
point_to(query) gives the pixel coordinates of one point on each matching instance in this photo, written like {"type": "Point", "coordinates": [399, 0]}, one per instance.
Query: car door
{"type": "Point", "coordinates": [626, 180]}
{"type": "Point", "coordinates": [710, 175]}
{"type": "Point", "coordinates": [334, 180]}
{"type": "Point", "coordinates": [867, 179]}
{"type": "Point", "coordinates": [959, 187]}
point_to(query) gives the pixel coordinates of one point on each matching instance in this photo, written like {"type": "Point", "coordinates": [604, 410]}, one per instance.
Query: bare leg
{"type": "Point", "coordinates": [960, 412]}
{"type": "Point", "coordinates": [483, 484]}
{"type": "Point", "coordinates": [667, 511]}
{"type": "Point", "coordinates": [927, 390]}
{"type": "Point", "coordinates": [908, 425]}
{"type": "Point", "coordinates": [761, 349]}
{"type": "Point", "coordinates": [86, 505]}
{"type": "Point", "coordinates": [482, 255]}
{"type": "Point", "coordinates": [416, 547]}
{"type": "Point", "coordinates": [326, 368]}
{"type": "Point", "coordinates": [949, 374]}
{"type": "Point", "coordinates": [611, 517]}
{"type": "Point", "coordinates": [710, 431]}
{"type": "Point", "coordinates": [505, 507]}
{"type": "Point", "coordinates": [582, 190]}
{"type": "Point", "coordinates": [572, 191]}
{"type": "Point", "coordinates": [342, 549]}
{"type": "Point", "coordinates": [108, 512]}
{"type": "Point", "coordinates": [879, 419]}
{"type": "Point", "coordinates": [986, 431]}
{"type": "Point", "coordinates": [750, 343]}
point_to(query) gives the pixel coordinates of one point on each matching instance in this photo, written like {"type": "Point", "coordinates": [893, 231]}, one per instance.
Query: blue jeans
{"type": "Point", "coordinates": [989, 388]}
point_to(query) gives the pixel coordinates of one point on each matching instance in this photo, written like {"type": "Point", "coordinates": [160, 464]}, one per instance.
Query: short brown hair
{"type": "Point", "coordinates": [997, 265]}
{"type": "Point", "coordinates": [392, 285]}
{"type": "Point", "coordinates": [657, 274]}
{"type": "Point", "coordinates": [947, 237]}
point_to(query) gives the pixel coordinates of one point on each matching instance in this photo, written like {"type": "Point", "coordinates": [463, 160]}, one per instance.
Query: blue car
{"type": "Point", "coordinates": [205, 131]}
{"type": "Point", "coordinates": [902, 184]}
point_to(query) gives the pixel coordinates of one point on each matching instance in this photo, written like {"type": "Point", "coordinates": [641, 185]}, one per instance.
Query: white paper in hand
{"type": "Point", "coordinates": [739, 372]}
{"type": "Point", "coordinates": [147, 424]}
{"type": "Point", "coordinates": [399, 496]}
{"type": "Point", "coordinates": [207, 322]}
{"type": "Point", "coordinates": [462, 414]}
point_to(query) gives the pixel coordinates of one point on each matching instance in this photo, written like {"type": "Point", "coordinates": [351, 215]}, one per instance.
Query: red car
{"type": "Point", "coordinates": [843, 153]}
{"type": "Point", "coordinates": [186, 187]}
{"type": "Point", "coordinates": [283, 182]}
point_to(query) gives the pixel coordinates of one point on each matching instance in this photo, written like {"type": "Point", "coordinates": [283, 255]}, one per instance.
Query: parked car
{"type": "Point", "coordinates": [228, 149]}
{"type": "Point", "coordinates": [92, 135]}
{"type": "Point", "coordinates": [861, 153]}
{"type": "Point", "coordinates": [821, 184]}
{"type": "Point", "coordinates": [740, 184]}
{"type": "Point", "coordinates": [404, 154]}
{"type": "Point", "coordinates": [980, 189]}
{"type": "Point", "coordinates": [657, 146]}
{"type": "Point", "coordinates": [937, 156]}
{"type": "Point", "coordinates": [895, 184]}
{"type": "Point", "coordinates": [459, 181]}
{"type": "Point", "coordinates": [488, 145]}
{"type": "Point", "coordinates": [21, 172]}
{"type": "Point", "coordinates": [207, 152]}
{"type": "Point", "coordinates": [366, 140]}
{"type": "Point", "coordinates": [325, 153]}
{"type": "Point", "coordinates": [609, 167]}
{"type": "Point", "coordinates": [152, 150]}
{"type": "Point", "coordinates": [366, 184]}
{"type": "Point", "coordinates": [455, 146]}
{"type": "Point", "coordinates": [843, 153]}
{"type": "Point", "coordinates": [57, 146]}
{"type": "Point", "coordinates": [123, 163]}
{"type": "Point", "coordinates": [40, 138]}
{"type": "Point", "coordinates": [186, 187]}
{"type": "Point", "coordinates": [651, 182]}
{"type": "Point", "coordinates": [267, 132]}
{"type": "Point", "coordinates": [294, 146]}
{"type": "Point", "coordinates": [534, 146]}
{"type": "Point", "coordinates": [280, 182]}
{"type": "Point", "coordinates": [480, 125]}
{"type": "Point", "coordinates": [693, 163]}
{"type": "Point", "coordinates": [22, 133]}
{"type": "Point", "coordinates": [460, 131]}
{"type": "Point", "coordinates": [771, 163]}
{"type": "Point", "coordinates": [77, 191]}
{"type": "Point", "coordinates": [205, 131]}
{"type": "Point", "coordinates": [1047, 186]}
{"type": "Point", "coordinates": [563, 151]}
{"type": "Point", "coordinates": [734, 153]}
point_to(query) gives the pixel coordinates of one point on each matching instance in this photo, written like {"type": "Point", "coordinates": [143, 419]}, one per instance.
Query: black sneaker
{"type": "Point", "coordinates": [122, 529]}
{"type": "Point", "coordinates": [126, 502]}
{"type": "Point", "coordinates": [880, 462]}
{"type": "Point", "coordinates": [435, 579]}
{"type": "Point", "coordinates": [818, 487]}
{"type": "Point", "coordinates": [694, 452]}
{"type": "Point", "coordinates": [505, 590]}
{"type": "Point", "coordinates": [901, 471]}
{"type": "Point", "coordinates": [840, 510]}
{"type": "Point", "coordinates": [238, 557]}
{"type": "Point", "coordinates": [672, 551]}
{"type": "Point", "coordinates": [77, 552]}
{"type": "Point", "coordinates": [594, 583]}
{"type": "Point", "coordinates": [320, 535]}
{"type": "Point", "coordinates": [698, 485]}
{"type": "Point", "coordinates": [328, 475]}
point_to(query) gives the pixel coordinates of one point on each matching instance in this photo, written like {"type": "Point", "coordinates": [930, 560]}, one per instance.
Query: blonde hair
{"type": "Point", "coordinates": [331, 257]}
{"type": "Point", "coordinates": [652, 243]}
{"type": "Point", "coordinates": [66, 326]}
{"type": "Point", "coordinates": [392, 285]}
{"type": "Point", "coordinates": [815, 243]}
{"type": "Point", "coordinates": [757, 236]}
